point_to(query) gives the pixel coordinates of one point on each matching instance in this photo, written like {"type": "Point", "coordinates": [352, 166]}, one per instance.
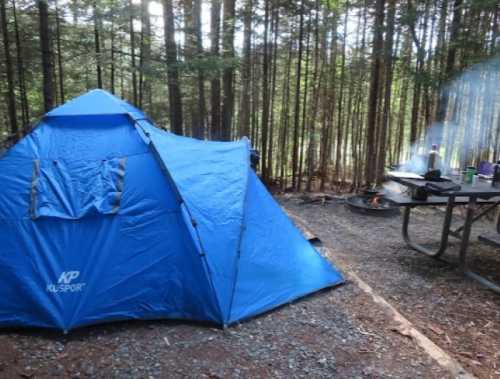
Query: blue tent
{"type": "Point", "coordinates": [105, 217]}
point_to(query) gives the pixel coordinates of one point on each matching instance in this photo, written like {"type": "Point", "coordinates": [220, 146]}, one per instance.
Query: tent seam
{"type": "Point", "coordinates": [240, 239]}
{"type": "Point", "coordinates": [169, 177]}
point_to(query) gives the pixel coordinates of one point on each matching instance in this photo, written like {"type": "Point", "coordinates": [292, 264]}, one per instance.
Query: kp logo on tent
{"type": "Point", "coordinates": [65, 283]}
{"type": "Point", "coordinates": [67, 276]}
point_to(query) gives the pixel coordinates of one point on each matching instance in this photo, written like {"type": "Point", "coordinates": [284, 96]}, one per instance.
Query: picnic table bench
{"type": "Point", "coordinates": [490, 239]}
{"type": "Point", "coordinates": [470, 195]}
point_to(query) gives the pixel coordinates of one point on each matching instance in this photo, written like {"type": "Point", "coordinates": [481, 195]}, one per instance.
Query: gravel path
{"type": "Point", "coordinates": [336, 333]}
{"type": "Point", "coordinates": [457, 314]}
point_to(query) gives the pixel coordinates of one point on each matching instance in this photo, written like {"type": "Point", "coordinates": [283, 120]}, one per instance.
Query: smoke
{"type": "Point", "coordinates": [417, 163]}
{"type": "Point", "coordinates": [471, 130]}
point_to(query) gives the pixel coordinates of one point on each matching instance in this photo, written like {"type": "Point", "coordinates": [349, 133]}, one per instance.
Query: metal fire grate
{"type": "Point", "coordinates": [373, 205]}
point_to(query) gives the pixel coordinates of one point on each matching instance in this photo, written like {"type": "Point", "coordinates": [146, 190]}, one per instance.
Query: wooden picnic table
{"type": "Point", "coordinates": [470, 195]}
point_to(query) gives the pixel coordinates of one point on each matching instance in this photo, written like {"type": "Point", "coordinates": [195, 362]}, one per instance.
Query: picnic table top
{"type": "Point", "coordinates": [403, 199]}
{"type": "Point", "coordinates": [481, 189]}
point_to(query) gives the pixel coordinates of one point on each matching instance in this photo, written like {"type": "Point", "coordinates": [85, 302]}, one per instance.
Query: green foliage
{"type": "Point", "coordinates": [333, 5]}
{"type": "Point", "coordinates": [324, 119]}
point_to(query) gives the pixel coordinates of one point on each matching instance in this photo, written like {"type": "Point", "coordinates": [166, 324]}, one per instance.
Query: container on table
{"type": "Point", "coordinates": [470, 174]}
{"type": "Point", "coordinates": [496, 175]}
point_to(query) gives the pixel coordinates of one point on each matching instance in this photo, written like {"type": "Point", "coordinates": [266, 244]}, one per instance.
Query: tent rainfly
{"type": "Point", "coordinates": [105, 217]}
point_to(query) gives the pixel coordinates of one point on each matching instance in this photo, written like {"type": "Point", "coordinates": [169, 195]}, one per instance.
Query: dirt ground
{"type": "Point", "coordinates": [457, 314]}
{"type": "Point", "coordinates": [337, 333]}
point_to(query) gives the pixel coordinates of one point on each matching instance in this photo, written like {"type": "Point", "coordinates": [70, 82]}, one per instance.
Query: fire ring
{"type": "Point", "coordinates": [372, 205]}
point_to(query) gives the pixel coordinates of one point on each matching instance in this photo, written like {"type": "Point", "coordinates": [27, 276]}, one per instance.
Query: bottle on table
{"type": "Point", "coordinates": [496, 175]}
{"type": "Point", "coordinates": [433, 162]}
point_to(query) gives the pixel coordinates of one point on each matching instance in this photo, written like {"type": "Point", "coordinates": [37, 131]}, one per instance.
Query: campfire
{"type": "Point", "coordinates": [372, 203]}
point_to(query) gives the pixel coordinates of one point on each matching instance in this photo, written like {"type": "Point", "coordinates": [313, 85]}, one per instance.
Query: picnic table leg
{"type": "Point", "coordinates": [456, 232]}
{"type": "Point", "coordinates": [444, 234]}
{"type": "Point", "coordinates": [464, 247]}
{"type": "Point", "coordinates": [498, 223]}
{"type": "Point", "coordinates": [469, 218]}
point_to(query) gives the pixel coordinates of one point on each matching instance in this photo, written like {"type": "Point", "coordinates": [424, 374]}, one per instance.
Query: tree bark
{"type": "Point", "coordinates": [174, 92]}
{"type": "Point", "coordinates": [328, 106]}
{"type": "Point", "coordinates": [25, 110]}
{"type": "Point", "coordinates": [265, 95]}
{"type": "Point", "coordinates": [135, 97]}
{"type": "Point", "coordinates": [340, 127]}
{"type": "Point", "coordinates": [255, 108]}
{"type": "Point", "coordinates": [405, 84]}
{"type": "Point", "coordinates": [215, 89]}
{"type": "Point", "coordinates": [391, 12]}
{"type": "Point", "coordinates": [295, 151]}
{"type": "Point", "coordinates": [443, 99]}
{"type": "Point", "coordinates": [145, 58]}
{"type": "Point", "coordinates": [374, 92]}
{"type": "Point", "coordinates": [229, 19]}
{"type": "Point", "coordinates": [11, 100]}
{"type": "Point", "coordinates": [311, 151]}
{"type": "Point", "coordinates": [47, 66]}
{"type": "Point", "coordinates": [97, 45]}
{"type": "Point", "coordinates": [199, 132]}
{"type": "Point", "coordinates": [59, 54]}
{"type": "Point", "coordinates": [112, 69]}
{"type": "Point", "coordinates": [275, 30]}
{"type": "Point", "coordinates": [304, 107]}
{"type": "Point", "coordinates": [419, 76]}
{"type": "Point", "coordinates": [193, 50]}
{"type": "Point", "coordinates": [246, 71]}
{"type": "Point", "coordinates": [284, 117]}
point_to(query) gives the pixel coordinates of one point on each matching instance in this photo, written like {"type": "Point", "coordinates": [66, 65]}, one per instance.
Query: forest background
{"type": "Point", "coordinates": [330, 92]}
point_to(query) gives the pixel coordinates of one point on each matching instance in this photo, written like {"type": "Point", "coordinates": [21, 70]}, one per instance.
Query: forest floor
{"type": "Point", "coordinates": [336, 333]}
{"type": "Point", "coordinates": [456, 313]}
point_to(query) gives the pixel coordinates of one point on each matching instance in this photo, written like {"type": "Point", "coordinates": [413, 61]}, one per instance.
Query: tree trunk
{"type": "Point", "coordinates": [112, 64]}
{"type": "Point", "coordinates": [215, 96]}
{"type": "Point", "coordinates": [97, 45]}
{"type": "Point", "coordinates": [304, 108]}
{"type": "Point", "coordinates": [246, 71]}
{"type": "Point", "coordinates": [229, 19]}
{"type": "Point", "coordinates": [20, 72]}
{"type": "Point", "coordinates": [284, 118]}
{"type": "Point", "coordinates": [193, 50]}
{"type": "Point", "coordinates": [47, 66]}
{"type": "Point", "coordinates": [265, 94]}
{"type": "Point", "coordinates": [443, 99]}
{"type": "Point", "coordinates": [373, 97]}
{"type": "Point", "coordinates": [145, 58]}
{"type": "Point", "coordinates": [275, 30]}
{"type": "Point", "coordinates": [391, 12]}
{"type": "Point", "coordinates": [405, 83]}
{"type": "Point", "coordinates": [255, 109]}
{"type": "Point", "coordinates": [199, 132]}
{"type": "Point", "coordinates": [328, 107]}
{"type": "Point", "coordinates": [174, 92]}
{"type": "Point", "coordinates": [132, 53]}
{"type": "Point", "coordinates": [419, 76]}
{"type": "Point", "coordinates": [11, 100]}
{"type": "Point", "coordinates": [340, 127]}
{"type": "Point", "coordinates": [295, 151]}
{"type": "Point", "coordinates": [311, 151]}
{"type": "Point", "coordinates": [59, 54]}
